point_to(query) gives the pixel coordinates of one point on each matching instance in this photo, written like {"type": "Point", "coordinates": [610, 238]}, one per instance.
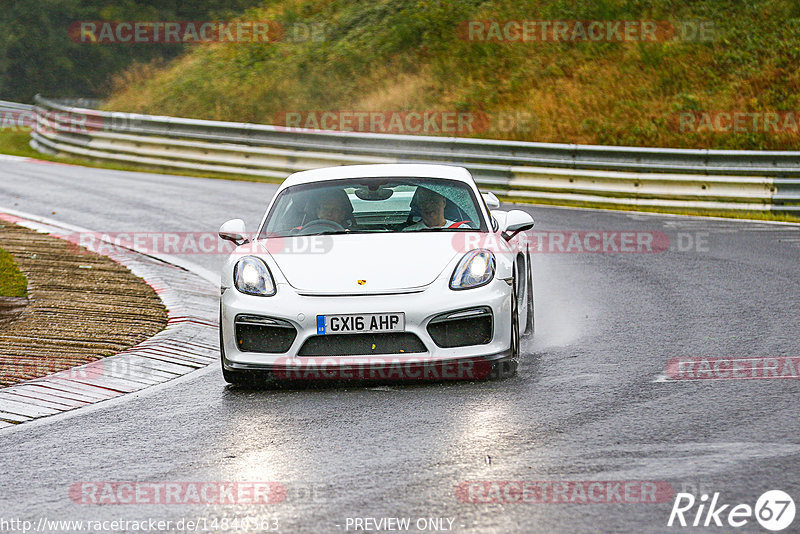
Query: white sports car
{"type": "Point", "coordinates": [376, 272]}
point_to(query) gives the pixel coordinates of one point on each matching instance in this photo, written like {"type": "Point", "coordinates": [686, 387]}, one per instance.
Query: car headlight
{"type": "Point", "coordinates": [475, 269]}
{"type": "Point", "coordinates": [251, 276]}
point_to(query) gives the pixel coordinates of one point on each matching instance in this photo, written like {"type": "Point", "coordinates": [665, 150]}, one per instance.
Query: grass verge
{"type": "Point", "coordinates": [12, 282]}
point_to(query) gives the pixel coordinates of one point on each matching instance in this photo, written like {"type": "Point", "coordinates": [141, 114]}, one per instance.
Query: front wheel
{"type": "Point", "coordinates": [529, 323]}
{"type": "Point", "coordinates": [515, 338]}
{"type": "Point", "coordinates": [507, 367]}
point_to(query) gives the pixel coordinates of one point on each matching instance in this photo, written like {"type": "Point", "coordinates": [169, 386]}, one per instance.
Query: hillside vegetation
{"type": "Point", "coordinates": [406, 55]}
{"type": "Point", "coordinates": [38, 54]}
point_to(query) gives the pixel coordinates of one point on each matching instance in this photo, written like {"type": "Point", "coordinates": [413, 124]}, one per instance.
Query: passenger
{"type": "Point", "coordinates": [431, 207]}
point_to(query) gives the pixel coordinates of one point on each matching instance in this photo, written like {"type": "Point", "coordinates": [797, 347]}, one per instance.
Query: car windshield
{"type": "Point", "coordinates": [372, 205]}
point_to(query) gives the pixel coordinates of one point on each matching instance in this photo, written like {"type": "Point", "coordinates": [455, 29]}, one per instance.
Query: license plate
{"type": "Point", "coordinates": [364, 323]}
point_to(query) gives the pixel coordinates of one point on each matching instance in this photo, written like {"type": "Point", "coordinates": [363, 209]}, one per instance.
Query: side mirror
{"type": "Point", "coordinates": [233, 230]}
{"type": "Point", "coordinates": [516, 221]}
{"type": "Point", "coordinates": [492, 202]}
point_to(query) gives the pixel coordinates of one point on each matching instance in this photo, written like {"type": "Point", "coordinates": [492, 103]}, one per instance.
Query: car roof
{"type": "Point", "coordinates": [342, 172]}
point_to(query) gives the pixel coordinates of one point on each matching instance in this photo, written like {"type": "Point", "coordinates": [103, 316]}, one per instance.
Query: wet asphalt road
{"type": "Point", "coordinates": [589, 403]}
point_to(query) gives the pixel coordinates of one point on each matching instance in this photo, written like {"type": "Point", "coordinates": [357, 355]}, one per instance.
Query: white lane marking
{"type": "Point", "coordinates": [8, 157]}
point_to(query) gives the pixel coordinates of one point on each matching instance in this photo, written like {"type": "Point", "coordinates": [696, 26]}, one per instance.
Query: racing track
{"type": "Point", "coordinates": [588, 403]}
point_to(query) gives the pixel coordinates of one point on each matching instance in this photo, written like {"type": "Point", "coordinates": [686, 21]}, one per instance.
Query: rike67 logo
{"type": "Point", "coordinates": [774, 510]}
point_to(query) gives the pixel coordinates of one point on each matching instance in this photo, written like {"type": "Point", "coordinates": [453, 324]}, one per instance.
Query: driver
{"type": "Point", "coordinates": [335, 209]}
{"type": "Point", "coordinates": [431, 206]}
{"type": "Point", "coordinates": [333, 206]}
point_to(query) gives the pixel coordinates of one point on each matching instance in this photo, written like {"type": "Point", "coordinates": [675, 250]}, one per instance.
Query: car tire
{"type": "Point", "coordinates": [529, 323]}
{"type": "Point", "coordinates": [507, 367]}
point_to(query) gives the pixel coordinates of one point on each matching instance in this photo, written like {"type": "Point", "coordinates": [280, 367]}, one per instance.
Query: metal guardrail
{"type": "Point", "coordinates": [558, 173]}
{"type": "Point", "coordinates": [16, 115]}
{"type": "Point", "coordinates": [14, 106]}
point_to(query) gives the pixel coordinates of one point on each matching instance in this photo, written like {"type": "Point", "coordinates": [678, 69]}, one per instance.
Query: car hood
{"type": "Point", "coordinates": [364, 263]}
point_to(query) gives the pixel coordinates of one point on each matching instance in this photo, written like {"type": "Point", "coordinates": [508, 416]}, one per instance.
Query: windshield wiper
{"type": "Point", "coordinates": [443, 229]}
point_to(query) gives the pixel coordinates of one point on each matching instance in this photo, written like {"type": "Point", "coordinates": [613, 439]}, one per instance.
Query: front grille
{"type": "Point", "coordinates": [263, 334]}
{"type": "Point", "coordinates": [462, 328]}
{"type": "Point", "coordinates": [361, 344]}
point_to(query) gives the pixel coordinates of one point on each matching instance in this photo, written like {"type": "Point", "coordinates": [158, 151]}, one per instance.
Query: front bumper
{"type": "Point", "coordinates": [429, 362]}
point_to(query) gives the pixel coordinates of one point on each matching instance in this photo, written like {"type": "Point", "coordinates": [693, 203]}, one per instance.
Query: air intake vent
{"type": "Point", "coordinates": [263, 334]}
{"type": "Point", "coordinates": [462, 328]}
{"type": "Point", "coordinates": [362, 344]}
